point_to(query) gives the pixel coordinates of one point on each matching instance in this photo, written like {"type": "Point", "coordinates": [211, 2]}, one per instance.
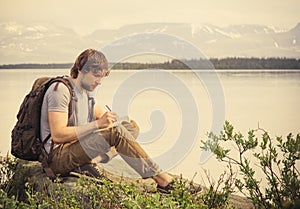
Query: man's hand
{"type": "Point", "coordinates": [107, 119]}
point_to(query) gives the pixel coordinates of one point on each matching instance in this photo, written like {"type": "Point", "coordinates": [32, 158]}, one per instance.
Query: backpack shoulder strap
{"type": "Point", "coordinates": [67, 83]}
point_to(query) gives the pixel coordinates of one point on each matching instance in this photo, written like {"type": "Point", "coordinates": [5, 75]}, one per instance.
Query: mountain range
{"type": "Point", "coordinates": [46, 43]}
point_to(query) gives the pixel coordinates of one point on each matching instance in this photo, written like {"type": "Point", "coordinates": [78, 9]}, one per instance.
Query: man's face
{"type": "Point", "coordinates": [91, 79]}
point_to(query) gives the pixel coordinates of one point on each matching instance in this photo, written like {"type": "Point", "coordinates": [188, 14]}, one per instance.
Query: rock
{"type": "Point", "coordinates": [31, 173]}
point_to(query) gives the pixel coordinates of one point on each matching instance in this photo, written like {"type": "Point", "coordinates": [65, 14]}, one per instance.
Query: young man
{"type": "Point", "coordinates": [89, 132]}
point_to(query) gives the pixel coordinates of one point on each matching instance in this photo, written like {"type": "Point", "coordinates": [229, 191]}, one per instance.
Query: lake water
{"type": "Point", "coordinates": [247, 98]}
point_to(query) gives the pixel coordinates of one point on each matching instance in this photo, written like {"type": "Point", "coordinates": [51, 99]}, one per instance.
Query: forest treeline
{"type": "Point", "coordinates": [213, 63]}
{"type": "Point", "coordinates": [36, 66]}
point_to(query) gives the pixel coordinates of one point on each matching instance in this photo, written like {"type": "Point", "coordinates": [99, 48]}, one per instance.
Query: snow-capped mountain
{"type": "Point", "coordinates": [213, 41]}
{"type": "Point", "coordinates": [39, 43]}
{"type": "Point", "coordinates": [45, 43]}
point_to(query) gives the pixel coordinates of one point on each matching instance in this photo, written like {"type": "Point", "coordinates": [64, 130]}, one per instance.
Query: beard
{"type": "Point", "coordinates": [87, 87]}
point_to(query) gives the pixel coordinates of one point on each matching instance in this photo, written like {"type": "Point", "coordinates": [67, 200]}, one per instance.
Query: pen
{"type": "Point", "coordinates": [108, 107]}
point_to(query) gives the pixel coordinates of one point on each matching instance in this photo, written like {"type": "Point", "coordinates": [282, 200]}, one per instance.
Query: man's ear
{"type": "Point", "coordinates": [80, 70]}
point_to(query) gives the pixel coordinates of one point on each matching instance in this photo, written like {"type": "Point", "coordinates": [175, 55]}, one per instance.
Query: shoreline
{"type": "Point", "coordinates": [201, 63]}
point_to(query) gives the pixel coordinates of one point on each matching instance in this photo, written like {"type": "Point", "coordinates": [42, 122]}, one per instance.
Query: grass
{"type": "Point", "coordinates": [20, 191]}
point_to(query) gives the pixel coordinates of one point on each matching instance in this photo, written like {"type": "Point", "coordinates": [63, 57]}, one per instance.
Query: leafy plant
{"type": "Point", "coordinates": [218, 193]}
{"type": "Point", "coordinates": [277, 159]}
{"type": "Point", "coordinates": [7, 168]}
{"type": "Point", "coordinates": [22, 190]}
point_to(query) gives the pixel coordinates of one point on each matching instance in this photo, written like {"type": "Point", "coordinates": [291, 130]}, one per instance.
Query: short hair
{"type": "Point", "coordinates": [90, 59]}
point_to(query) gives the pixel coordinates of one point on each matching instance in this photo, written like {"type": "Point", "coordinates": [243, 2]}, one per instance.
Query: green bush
{"type": "Point", "coordinates": [219, 193]}
{"type": "Point", "coordinates": [103, 193]}
{"type": "Point", "coordinates": [7, 170]}
{"type": "Point", "coordinates": [277, 160]}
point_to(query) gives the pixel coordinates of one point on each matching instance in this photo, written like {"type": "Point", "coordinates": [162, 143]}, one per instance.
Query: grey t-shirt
{"type": "Point", "coordinates": [58, 101]}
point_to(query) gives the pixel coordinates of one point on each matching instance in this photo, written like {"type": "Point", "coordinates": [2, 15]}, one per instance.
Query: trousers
{"type": "Point", "coordinates": [68, 156]}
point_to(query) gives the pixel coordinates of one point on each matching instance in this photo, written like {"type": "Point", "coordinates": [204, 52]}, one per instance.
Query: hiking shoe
{"type": "Point", "coordinates": [190, 187]}
{"type": "Point", "coordinates": [166, 189]}
{"type": "Point", "coordinates": [89, 169]}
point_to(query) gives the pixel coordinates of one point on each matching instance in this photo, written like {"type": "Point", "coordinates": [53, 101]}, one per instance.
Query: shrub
{"type": "Point", "coordinates": [7, 170]}
{"type": "Point", "coordinates": [88, 192]}
{"type": "Point", "coordinates": [277, 160]}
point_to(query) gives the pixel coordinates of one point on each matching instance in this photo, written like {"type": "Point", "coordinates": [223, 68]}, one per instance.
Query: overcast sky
{"type": "Point", "coordinates": [84, 16]}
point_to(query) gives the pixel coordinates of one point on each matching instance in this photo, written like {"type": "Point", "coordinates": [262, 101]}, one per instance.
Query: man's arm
{"type": "Point", "coordinates": [62, 133]}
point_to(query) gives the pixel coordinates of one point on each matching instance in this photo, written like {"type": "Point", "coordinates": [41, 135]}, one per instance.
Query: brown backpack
{"type": "Point", "coordinates": [26, 142]}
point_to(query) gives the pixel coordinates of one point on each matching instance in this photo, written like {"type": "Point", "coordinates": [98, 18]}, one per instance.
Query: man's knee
{"type": "Point", "coordinates": [132, 127]}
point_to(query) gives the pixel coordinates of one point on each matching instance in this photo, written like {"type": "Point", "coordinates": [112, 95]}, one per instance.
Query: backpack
{"type": "Point", "coordinates": [26, 142]}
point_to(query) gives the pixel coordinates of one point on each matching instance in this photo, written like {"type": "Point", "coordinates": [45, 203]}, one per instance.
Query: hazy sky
{"type": "Point", "coordinates": [84, 16]}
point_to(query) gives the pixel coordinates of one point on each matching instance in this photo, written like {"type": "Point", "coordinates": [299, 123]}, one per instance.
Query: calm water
{"type": "Point", "coordinates": [270, 99]}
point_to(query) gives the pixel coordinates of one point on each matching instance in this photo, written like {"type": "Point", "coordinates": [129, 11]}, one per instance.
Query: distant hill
{"type": "Point", "coordinates": [21, 43]}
